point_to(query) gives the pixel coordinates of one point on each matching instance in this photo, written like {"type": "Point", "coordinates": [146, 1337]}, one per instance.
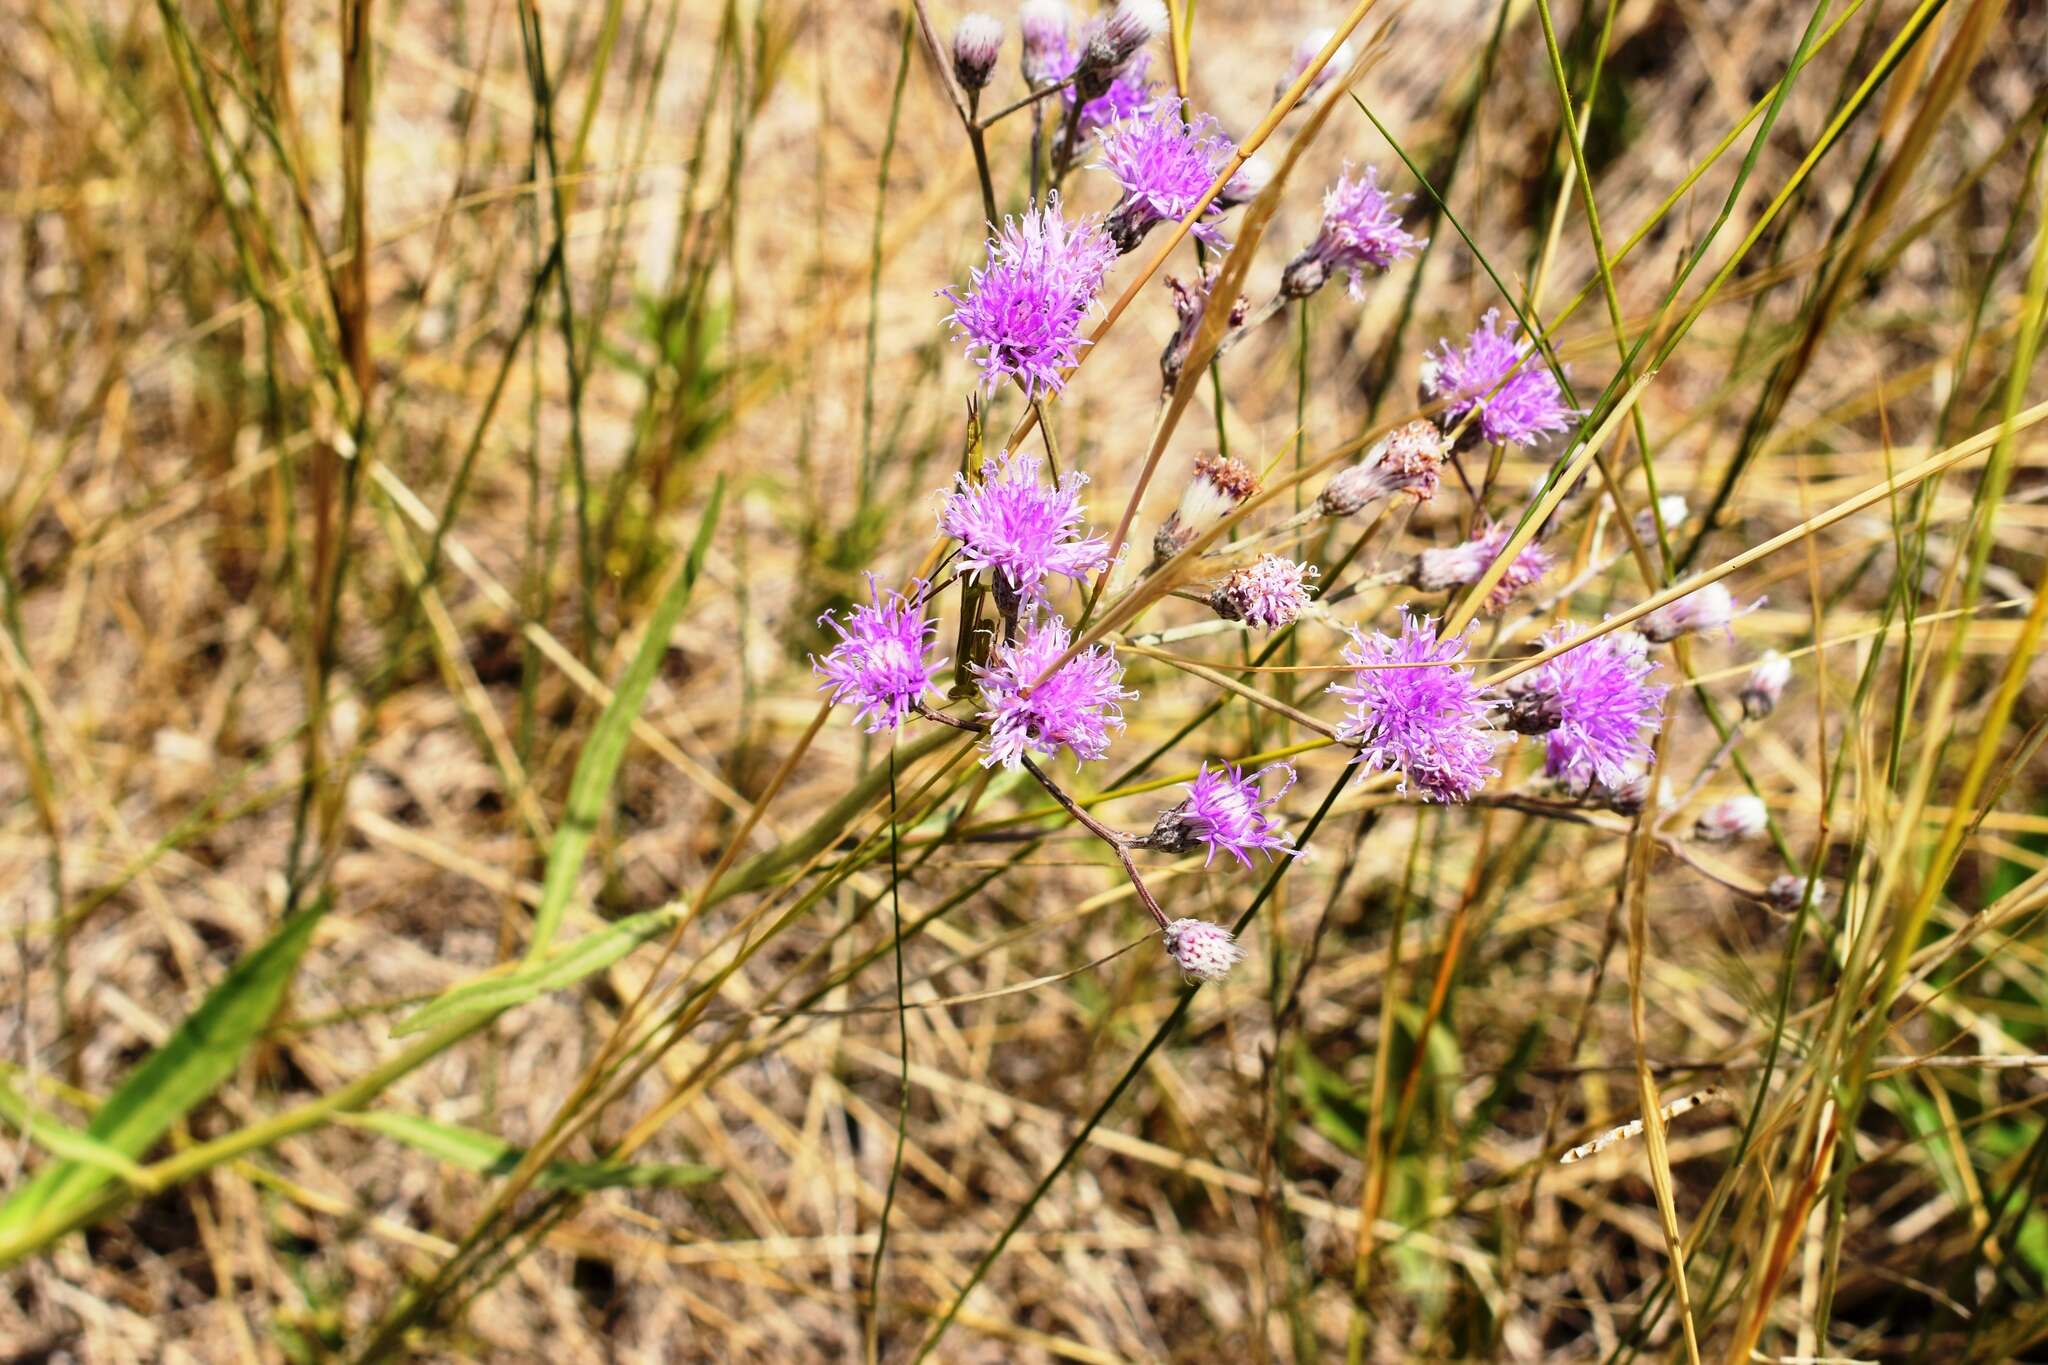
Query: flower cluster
{"type": "Point", "coordinates": [1023, 310]}
{"type": "Point", "coordinates": [1518, 400]}
{"type": "Point", "coordinates": [1415, 711]}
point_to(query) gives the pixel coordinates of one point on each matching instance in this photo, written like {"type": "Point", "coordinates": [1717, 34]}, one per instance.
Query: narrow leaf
{"type": "Point", "coordinates": [488, 1155]}
{"type": "Point", "coordinates": [560, 969]}
{"type": "Point", "coordinates": [60, 1139]}
{"type": "Point", "coordinates": [194, 1060]}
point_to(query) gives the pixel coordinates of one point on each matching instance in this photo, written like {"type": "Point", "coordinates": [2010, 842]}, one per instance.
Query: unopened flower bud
{"type": "Point", "coordinates": [1218, 486]}
{"type": "Point", "coordinates": [1725, 822]}
{"type": "Point", "coordinates": [1709, 608]}
{"type": "Point", "coordinates": [977, 42]}
{"type": "Point", "coordinates": [1406, 461]}
{"type": "Point", "coordinates": [1788, 892]}
{"type": "Point", "coordinates": [1766, 685]}
{"type": "Point", "coordinates": [1113, 42]}
{"type": "Point", "coordinates": [1671, 510]}
{"type": "Point", "coordinates": [1204, 951]}
{"type": "Point", "coordinates": [1267, 594]}
{"type": "Point", "coordinates": [1190, 303]}
{"type": "Point", "coordinates": [1627, 797]}
{"type": "Point", "coordinates": [1042, 24]}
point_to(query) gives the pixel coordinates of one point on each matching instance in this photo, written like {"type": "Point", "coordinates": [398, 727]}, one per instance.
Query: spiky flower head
{"type": "Point", "coordinates": [1227, 811]}
{"type": "Point", "coordinates": [1019, 529]}
{"type": "Point", "coordinates": [1416, 712]}
{"type": "Point", "coordinates": [1023, 310]}
{"type": "Point", "coordinates": [1033, 714]}
{"type": "Point", "coordinates": [1440, 570]}
{"type": "Point", "coordinates": [880, 662]}
{"type": "Point", "coordinates": [1361, 233]}
{"type": "Point", "coordinates": [1266, 594]}
{"type": "Point", "coordinates": [1190, 304]}
{"type": "Point", "coordinates": [1113, 40]}
{"type": "Point", "coordinates": [1708, 608]}
{"type": "Point", "coordinates": [977, 42]}
{"type": "Point", "coordinates": [1788, 891]}
{"type": "Point", "coordinates": [1305, 52]}
{"type": "Point", "coordinates": [1213, 491]}
{"type": "Point", "coordinates": [1204, 951]}
{"type": "Point", "coordinates": [1165, 165]}
{"type": "Point", "coordinates": [1594, 706]}
{"type": "Point", "coordinates": [1518, 408]}
{"type": "Point", "coordinates": [1404, 461]}
{"type": "Point", "coordinates": [1765, 686]}
{"type": "Point", "coordinates": [1725, 822]}
{"type": "Point", "coordinates": [1046, 57]}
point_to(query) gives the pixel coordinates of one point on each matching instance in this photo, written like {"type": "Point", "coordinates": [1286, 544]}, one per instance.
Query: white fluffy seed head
{"type": "Point", "coordinates": [1725, 822]}
{"type": "Point", "coordinates": [977, 42]}
{"type": "Point", "coordinates": [1766, 685]}
{"type": "Point", "coordinates": [1204, 951]}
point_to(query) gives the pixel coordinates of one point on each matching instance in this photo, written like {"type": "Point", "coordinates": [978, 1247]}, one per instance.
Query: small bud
{"type": "Point", "coordinates": [1267, 594]}
{"type": "Point", "coordinates": [977, 42]}
{"type": "Point", "coordinates": [1788, 891]}
{"type": "Point", "coordinates": [1114, 41]}
{"type": "Point", "coordinates": [1204, 951]}
{"type": "Point", "coordinates": [1724, 822]}
{"type": "Point", "coordinates": [1042, 24]}
{"type": "Point", "coordinates": [1406, 461]}
{"type": "Point", "coordinates": [1766, 685]}
{"type": "Point", "coordinates": [1218, 486]}
{"type": "Point", "coordinates": [1190, 302]}
{"type": "Point", "coordinates": [1709, 608]}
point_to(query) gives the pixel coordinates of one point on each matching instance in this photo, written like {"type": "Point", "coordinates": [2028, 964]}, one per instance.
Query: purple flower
{"type": "Point", "coordinates": [1361, 233]}
{"type": "Point", "coordinates": [1165, 166]}
{"type": "Point", "coordinates": [1305, 52]}
{"type": "Point", "coordinates": [1709, 608]}
{"type": "Point", "coordinates": [1203, 950]}
{"type": "Point", "coordinates": [1405, 461]}
{"type": "Point", "coordinates": [1437, 570]}
{"type": "Point", "coordinates": [1023, 310]}
{"type": "Point", "coordinates": [1517, 409]}
{"type": "Point", "coordinates": [1011, 525]}
{"type": "Point", "coordinates": [879, 663]}
{"type": "Point", "coordinates": [1046, 56]}
{"type": "Point", "coordinates": [1227, 811]}
{"type": "Point", "coordinates": [1429, 723]}
{"type": "Point", "coordinates": [1029, 713]}
{"type": "Point", "coordinates": [1127, 93]}
{"type": "Point", "coordinates": [1267, 593]}
{"type": "Point", "coordinates": [1594, 706]}
{"type": "Point", "coordinates": [1190, 305]}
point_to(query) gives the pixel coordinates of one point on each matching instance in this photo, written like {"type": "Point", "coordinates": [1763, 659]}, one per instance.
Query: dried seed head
{"type": "Point", "coordinates": [1219, 484]}
{"type": "Point", "coordinates": [1204, 951]}
{"type": "Point", "coordinates": [1788, 891]}
{"type": "Point", "coordinates": [1766, 685]}
{"type": "Point", "coordinates": [977, 42]}
{"type": "Point", "coordinates": [1725, 822]}
{"type": "Point", "coordinates": [1267, 594]}
{"type": "Point", "coordinates": [1406, 461]}
{"type": "Point", "coordinates": [1710, 608]}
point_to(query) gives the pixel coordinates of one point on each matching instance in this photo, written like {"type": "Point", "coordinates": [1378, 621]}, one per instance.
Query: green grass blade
{"type": "Point", "coordinates": [488, 1155]}
{"type": "Point", "coordinates": [193, 1061]}
{"type": "Point", "coordinates": [559, 970]}
{"type": "Point", "coordinates": [60, 1139]}
{"type": "Point", "coordinates": [599, 764]}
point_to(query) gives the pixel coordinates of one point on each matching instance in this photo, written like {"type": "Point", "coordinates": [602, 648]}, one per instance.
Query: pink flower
{"type": "Point", "coordinates": [1430, 723]}
{"type": "Point", "coordinates": [1011, 525]}
{"type": "Point", "coordinates": [879, 664]}
{"type": "Point", "coordinates": [1031, 713]}
{"type": "Point", "coordinates": [1204, 951]}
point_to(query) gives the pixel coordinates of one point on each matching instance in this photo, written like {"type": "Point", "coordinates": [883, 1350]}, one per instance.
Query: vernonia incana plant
{"type": "Point", "coordinates": [1435, 693]}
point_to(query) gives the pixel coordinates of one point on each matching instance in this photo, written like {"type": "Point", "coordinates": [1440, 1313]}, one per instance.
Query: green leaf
{"type": "Point", "coordinates": [488, 1155]}
{"type": "Point", "coordinates": [60, 1139]}
{"type": "Point", "coordinates": [560, 969]}
{"type": "Point", "coordinates": [591, 786]}
{"type": "Point", "coordinates": [193, 1061]}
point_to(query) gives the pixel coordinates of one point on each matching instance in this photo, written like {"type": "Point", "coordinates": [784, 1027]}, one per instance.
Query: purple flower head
{"type": "Point", "coordinates": [1594, 706]}
{"type": "Point", "coordinates": [1405, 461]}
{"type": "Point", "coordinates": [1517, 409]}
{"type": "Point", "coordinates": [1011, 525]}
{"type": "Point", "coordinates": [1046, 57]}
{"type": "Point", "coordinates": [1437, 570]}
{"type": "Point", "coordinates": [879, 663]}
{"type": "Point", "coordinates": [1165, 166]}
{"type": "Point", "coordinates": [977, 42]}
{"type": "Point", "coordinates": [1023, 310]}
{"type": "Point", "coordinates": [1203, 950]}
{"type": "Point", "coordinates": [1726, 822]}
{"type": "Point", "coordinates": [1031, 714]}
{"type": "Point", "coordinates": [1305, 52]}
{"type": "Point", "coordinates": [1429, 723]}
{"type": "Point", "coordinates": [1267, 594]}
{"type": "Point", "coordinates": [1765, 686]}
{"type": "Point", "coordinates": [1361, 233]}
{"type": "Point", "coordinates": [1127, 93]}
{"type": "Point", "coordinates": [1227, 811]}
{"type": "Point", "coordinates": [1709, 608]}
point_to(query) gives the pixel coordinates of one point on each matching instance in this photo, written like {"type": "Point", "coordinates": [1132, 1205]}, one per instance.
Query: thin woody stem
{"type": "Point", "coordinates": [1024, 103]}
